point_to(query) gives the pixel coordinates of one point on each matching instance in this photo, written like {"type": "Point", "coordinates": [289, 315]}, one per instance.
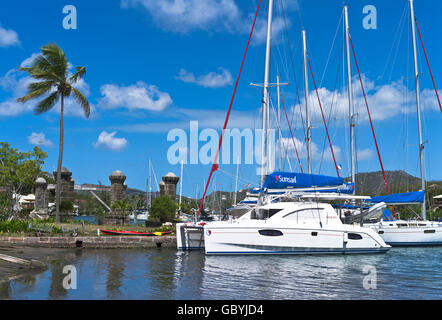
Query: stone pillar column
{"type": "Point", "coordinates": [41, 195]}
{"type": "Point", "coordinates": [170, 181]}
{"type": "Point", "coordinates": [118, 188]}
{"type": "Point", "coordinates": [67, 184]}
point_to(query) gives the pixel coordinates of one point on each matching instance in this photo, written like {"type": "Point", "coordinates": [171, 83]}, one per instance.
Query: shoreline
{"type": "Point", "coordinates": [91, 242]}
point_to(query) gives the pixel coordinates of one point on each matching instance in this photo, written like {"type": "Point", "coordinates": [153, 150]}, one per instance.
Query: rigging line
{"type": "Point", "coordinates": [234, 175]}
{"type": "Point", "coordinates": [215, 162]}
{"type": "Point", "coordinates": [398, 29]}
{"type": "Point", "coordinates": [292, 65]}
{"type": "Point", "coordinates": [293, 138]}
{"type": "Point", "coordinates": [331, 106]}
{"type": "Point", "coordinates": [323, 117]}
{"type": "Point", "coordinates": [397, 47]}
{"type": "Point", "coordinates": [369, 116]}
{"type": "Point", "coordinates": [331, 49]}
{"type": "Point", "coordinates": [428, 63]}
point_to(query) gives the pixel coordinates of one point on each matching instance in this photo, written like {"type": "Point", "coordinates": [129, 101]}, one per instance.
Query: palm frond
{"type": "Point", "coordinates": [81, 71]}
{"type": "Point", "coordinates": [82, 101]}
{"type": "Point", "coordinates": [47, 104]}
{"type": "Point", "coordinates": [57, 58]}
{"type": "Point", "coordinates": [36, 90]}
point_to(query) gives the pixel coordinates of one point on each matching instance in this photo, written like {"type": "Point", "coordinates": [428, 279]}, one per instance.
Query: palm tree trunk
{"type": "Point", "coordinates": [60, 160]}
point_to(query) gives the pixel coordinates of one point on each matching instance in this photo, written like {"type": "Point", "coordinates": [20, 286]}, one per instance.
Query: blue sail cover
{"type": "Point", "coordinates": [289, 180]}
{"type": "Point", "coordinates": [401, 198]}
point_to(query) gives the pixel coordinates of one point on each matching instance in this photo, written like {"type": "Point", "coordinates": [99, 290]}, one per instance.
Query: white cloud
{"type": "Point", "coordinates": [301, 147]}
{"type": "Point", "coordinates": [365, 154]}
{"type": "Point", "coordinates": [15, 83]}
{"type": "Point", "coordinates": [218, 79]}
{"type": "Point", "coordinates": [184, 16]}
{"type": "Point", "coordinates": [385, 102]}
{"type": "Point", "coordinates": [39, 139]}
{"type": "Point", "coordinates": [8, 37]}
{"type": "Point", "coordinates": [138, 96]}
{"type": "Point", "coordinates": [109, 141]}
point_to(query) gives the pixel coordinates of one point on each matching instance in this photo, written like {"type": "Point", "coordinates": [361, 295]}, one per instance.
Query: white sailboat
{"type": "Point", "coordinates": [411, 232]}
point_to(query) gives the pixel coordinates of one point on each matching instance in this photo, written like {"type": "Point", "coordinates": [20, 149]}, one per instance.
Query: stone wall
{"type": "Point", "coordinates": [91, 242]}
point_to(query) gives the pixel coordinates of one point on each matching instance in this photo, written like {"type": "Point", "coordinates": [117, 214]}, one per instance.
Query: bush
{"type": "Point", "coordinates": [66, 205]}
{"type": "Point", "coordinates": [13, 226]}
{"type": "Point", "coordinates": [163, 209]}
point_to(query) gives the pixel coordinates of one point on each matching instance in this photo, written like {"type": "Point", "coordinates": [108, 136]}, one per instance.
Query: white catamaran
{"type": "Point", "coordinates": [293, 227]}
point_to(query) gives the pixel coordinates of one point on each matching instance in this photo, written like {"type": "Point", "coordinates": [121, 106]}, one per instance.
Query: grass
{"type": "Point", "coordinates": [90, 230]}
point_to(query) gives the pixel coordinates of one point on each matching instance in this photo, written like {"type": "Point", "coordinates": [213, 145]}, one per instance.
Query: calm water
{"type": "Point", "coordinates": [402, 273]}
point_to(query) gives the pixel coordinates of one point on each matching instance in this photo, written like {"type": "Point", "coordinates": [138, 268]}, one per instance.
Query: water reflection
{"type": "Point", "coordinates": [115, 273]}
{"type": "Point", "coordinates": [167, 274]}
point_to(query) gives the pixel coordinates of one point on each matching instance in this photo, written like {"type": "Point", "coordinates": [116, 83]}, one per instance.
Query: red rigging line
{"type": "Point", "coordinates": [323, 118]}
{"type": "Point", "coordinates": [215, 162]}
{"type": "Point", "coordinates": [293, 139]}
{"type": "Point", "coordinates": [428, 63]}
{"type": "Point", "coordinates": [369, 116]}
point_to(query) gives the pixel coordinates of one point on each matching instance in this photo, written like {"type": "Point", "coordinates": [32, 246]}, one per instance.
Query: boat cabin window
{"type": "Point", "coordinates": [354, 236]}
{"type": "Point", "coordinates": [270, 233]}
{"type": "Point", "coordinates": [263, 213]}
{"type": "Point", "coordinates": [304, 213]}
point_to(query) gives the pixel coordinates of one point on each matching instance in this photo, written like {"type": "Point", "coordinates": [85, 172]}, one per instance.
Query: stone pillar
{"type": "Point", "coordinates": [41, 195]}
{"type": "Point", "coordinates": [118, 188]}
{"type": "Point", "coordinates": [67, 185]}
{"type": "Point", "coordinates": [170, 181]}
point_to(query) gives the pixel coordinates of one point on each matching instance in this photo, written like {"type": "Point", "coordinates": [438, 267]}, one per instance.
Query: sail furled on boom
{"type": "Point", "coordinates": [401, 198]}
{"type": "Point", "coordinates": [306, 182]}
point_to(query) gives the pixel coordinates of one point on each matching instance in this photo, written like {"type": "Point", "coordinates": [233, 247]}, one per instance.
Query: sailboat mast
{"type": "Point", "coordinates": [236, 183]}
{"type": "Point", "coordinates": [350, 98]}
{"type": "Point", "coordinates": [416, 75]}
{"type": "Point", "coordinates": [265, 100]}
{"type": "Point", "coordinates": [307, 117]}
{"type": "Point", "coordinates": [279, 123]}
{"type": "Point", "coordinates": [149, 192]}
{"type": "Point", "coordinates": [181, 186]}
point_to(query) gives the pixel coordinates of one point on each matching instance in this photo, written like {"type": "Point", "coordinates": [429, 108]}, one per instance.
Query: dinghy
{"type": "Point", "coordinates": [133, 233]}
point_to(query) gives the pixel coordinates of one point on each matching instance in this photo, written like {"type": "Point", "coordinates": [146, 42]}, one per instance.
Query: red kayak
{"type": "Point", "coordinates": [133, 233]}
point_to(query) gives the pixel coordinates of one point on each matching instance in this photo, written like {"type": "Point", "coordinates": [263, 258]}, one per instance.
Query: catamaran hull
{"type": "Point", "coordinates": [231, 241]}
{"type": "Point", "coordinates": [413, 237]}
{"type": "Point", "coordinates": [189, 236]}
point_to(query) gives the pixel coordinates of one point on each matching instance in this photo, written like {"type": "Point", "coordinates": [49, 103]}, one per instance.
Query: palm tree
{"type": "Point", "coordinates": [51, 67]}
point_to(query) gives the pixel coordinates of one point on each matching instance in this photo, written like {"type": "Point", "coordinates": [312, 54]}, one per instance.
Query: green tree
{"type": "Point", "coordinates": [163, 209]}
{"type": "Point", "coordinates": [122, 205]}
{"type": "Point", "coordinates": [51, 67]}
{"type": "Point", "coordinates": [18, 171]}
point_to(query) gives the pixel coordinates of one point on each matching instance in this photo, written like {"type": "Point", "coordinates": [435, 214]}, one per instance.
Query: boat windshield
{"type": "Point", "coordinates": [262, 214]}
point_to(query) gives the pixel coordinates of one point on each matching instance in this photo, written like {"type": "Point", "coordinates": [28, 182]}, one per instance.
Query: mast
{"type": "Point", "coordinates": [265, 100]}
{"type": "Point", "coordinates": [149, 196]}
{"type": "Point", "coordinates": [181, 186]}
{"type": "Point", "coordinates": [350, 97]}
{"type": "Point", "coordinates": [307, 117]}
{"type": "Point", "coordinates": [416, 75]}
{"type": "Point", "coordinates": [236, 183]}
{"type": "Point", "coordinates": [279, 123]}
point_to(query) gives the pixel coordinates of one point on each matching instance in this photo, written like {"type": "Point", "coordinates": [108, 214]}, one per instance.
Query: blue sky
{"type": "Point", "coordinates": [153, 66]}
